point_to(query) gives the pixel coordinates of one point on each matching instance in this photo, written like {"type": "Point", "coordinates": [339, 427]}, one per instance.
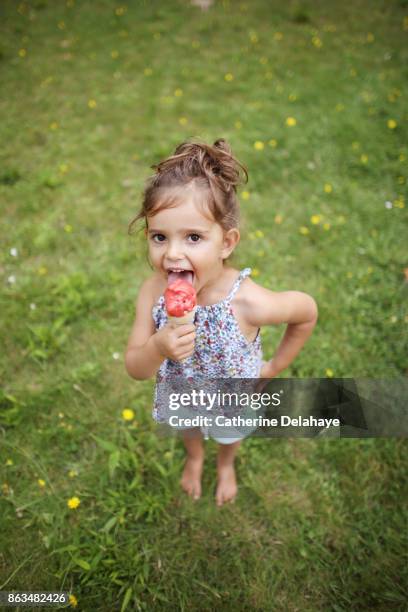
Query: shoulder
{"type": "Point", "coordinates": [261, 306]}
{"type": "Point", "coordinates": [150, 290]}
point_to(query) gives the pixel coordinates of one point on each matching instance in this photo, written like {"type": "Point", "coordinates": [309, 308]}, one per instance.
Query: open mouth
{"type": "Point", "coordinates": [173, 275]}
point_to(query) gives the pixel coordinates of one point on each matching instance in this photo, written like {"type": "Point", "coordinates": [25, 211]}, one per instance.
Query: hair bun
{"type": "Point", "coordinates": [195, 158]}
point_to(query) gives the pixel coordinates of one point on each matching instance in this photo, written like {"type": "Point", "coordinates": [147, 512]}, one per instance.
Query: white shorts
{"type": "Point", "coordinates": [217, 432]}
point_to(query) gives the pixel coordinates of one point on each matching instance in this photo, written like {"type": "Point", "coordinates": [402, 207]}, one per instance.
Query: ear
{"type": "Point", "coordinates": [230, 241]}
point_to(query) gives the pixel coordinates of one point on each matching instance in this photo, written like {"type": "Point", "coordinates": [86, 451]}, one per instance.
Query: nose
{"type": "Point", "coordinates": [174, 250]}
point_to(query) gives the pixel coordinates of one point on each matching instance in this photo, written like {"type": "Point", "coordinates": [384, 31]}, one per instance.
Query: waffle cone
{"type": "Point", "coordinates": [187, 318]}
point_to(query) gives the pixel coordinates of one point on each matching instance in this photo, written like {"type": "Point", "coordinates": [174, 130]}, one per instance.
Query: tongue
{"type": "Point", "coordinates": [186, 275]}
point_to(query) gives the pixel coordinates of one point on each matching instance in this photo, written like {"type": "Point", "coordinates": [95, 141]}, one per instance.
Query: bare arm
{"type": "Point", "coordinates": [142, 358]}
{"type": "Point", "coordinates": [295, 308]}
{"type": "Point", "coordinates": [148, 348]}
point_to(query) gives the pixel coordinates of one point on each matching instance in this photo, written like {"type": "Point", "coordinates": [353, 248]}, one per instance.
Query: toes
{"type": "Point", "coordinates": [196, 493]}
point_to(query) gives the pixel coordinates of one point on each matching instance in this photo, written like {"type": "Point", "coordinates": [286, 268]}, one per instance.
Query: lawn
{"type": "Point", "coordinates": [310, 96]}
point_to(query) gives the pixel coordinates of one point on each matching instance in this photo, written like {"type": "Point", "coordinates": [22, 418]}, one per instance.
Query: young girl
{"type": "Point", "coordinates": [191, 214]}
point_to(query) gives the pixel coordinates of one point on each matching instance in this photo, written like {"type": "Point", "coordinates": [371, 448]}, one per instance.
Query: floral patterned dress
{"type": "Point", "coordinates": [221, 350]}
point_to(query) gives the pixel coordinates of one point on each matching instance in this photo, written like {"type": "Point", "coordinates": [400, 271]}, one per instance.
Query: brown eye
{"type": "Point", "coordinates": [195, 237]}
{"type": "Point", "coordinates": [158, 236]}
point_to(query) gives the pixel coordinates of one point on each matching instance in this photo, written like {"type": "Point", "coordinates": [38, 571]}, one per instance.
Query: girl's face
{"type": "Point", "coordinates": [184, 238]}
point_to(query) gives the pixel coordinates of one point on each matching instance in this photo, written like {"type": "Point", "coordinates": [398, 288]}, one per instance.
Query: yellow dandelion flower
{"type": "Point", "coordinates": [315, 219]}
{"type": "Point", "coordinates": [292, 97]}
{"type": "Point", "coordinates": [353, 72]}
{"type": "Point", "coordinates": [114, 54]}
{"type": "Point", "coordinates": [263, 61]}
{"type": "Point", "coordinates": [5, 488]}
{"type": "Point", "coordinates": [392, 124]}
{"type": "Point", "coordinates": [291, 121]}
{"type": "Point", "coordinates": [245, 195]}
{"type": "Point", "coordinates": [147, 71]}
{"type": "Point", "coordinates": [63, 168]}
{"type": "Point", "coordinates": [91, 103]}
{"type": "Point", "coordinates": [278, 36]}
{"type": "Point", "coordinates": [402, 157]}
{"type": "Point", "coordinates": [72, 473]}
{"type": "Point", "coordinates": [9, 462]}
{"type": "Point", "coordinates": [54, 125]}
{"type": "Point", "coordinates": [42, 271]}
{"type": "Point", "coordinates": [258, 145]}
{"type": "Point", "coordinates": [317, 42]}
{"type": "Point", "coordinates": [68, 228]}
{"type": "Point", "coordinates": [339, 107]}
{"type": "Point", "coordinates": [238, 125]}
{"type": "Point", "coordinates": [304, 230]}
{"type": "Point", "coordinates": [253, 38]}
{"type": "Point", "coordinates": [326, 226]}
{"type": "Point", "coordinates": [41, 482]}
{"type": "Point", "coordinates": [255, 272]}
{"type": "Point", "coordinates": [370, 37]}
{"type": "Point", "coordinates": [195, 44]}
{"type": "Point", "coordinates": [273, 143]}
{"type": "Point", "coordinates": [328, 188]}
{"type": "Point", "coordinates": [229, 77]}
{"type": "Point", "coordinates": [22, 52]}
{"type": "Point", "coordinates": [259, 233]}
{"type": "Point", "coordinates": [73, 502]}
{"type": "Point", "coordinates": [128, 414]}
{"type": "Point", "coordinates": [329, 373]}
{"type": "Point", "coordinates": [355, 146]}
{"type": "Point", "coordinates": [73, 601]}
{"type": "Point", "coordinates": [120, 10]}
{"type": "Point", "coordinates": [183, 120]}
{"type": "Point", "coordinates": [278, 219]}
{"type": "Point", "coordinates": [178, 92]}
{"type": "Point", "coordinates": [364, 159]}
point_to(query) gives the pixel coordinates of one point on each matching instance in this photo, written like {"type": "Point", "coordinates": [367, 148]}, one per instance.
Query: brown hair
{"type": "Point", "coordinates": [212, 172]}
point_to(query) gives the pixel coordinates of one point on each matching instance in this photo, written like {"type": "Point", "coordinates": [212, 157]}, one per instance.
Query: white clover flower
{"type": "Point", "coordinates": [14, 252]}
{"type": "Point", "coordinates": [11, 279]}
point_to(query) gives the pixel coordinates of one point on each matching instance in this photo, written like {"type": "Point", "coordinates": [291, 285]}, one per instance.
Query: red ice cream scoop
{"type": "Point", "coordinates": [180, 298]}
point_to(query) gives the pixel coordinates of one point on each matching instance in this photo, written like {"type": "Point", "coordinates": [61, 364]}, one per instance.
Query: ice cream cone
{"type": "Point", "coordinates": [187, 318]}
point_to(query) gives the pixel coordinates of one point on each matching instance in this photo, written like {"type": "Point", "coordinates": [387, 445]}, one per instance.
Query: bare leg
{"type": "Point", "coordinates": [226, 484]}
{"type": "Point", "coordinates": [191, 477]}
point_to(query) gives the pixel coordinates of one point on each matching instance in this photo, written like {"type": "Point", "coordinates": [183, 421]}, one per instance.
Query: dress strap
{"type": "Point", "coordinates": [243, 274]}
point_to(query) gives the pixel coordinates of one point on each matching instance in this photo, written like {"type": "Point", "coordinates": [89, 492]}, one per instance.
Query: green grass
{"type": "Point", "coordinates": [318, 524]}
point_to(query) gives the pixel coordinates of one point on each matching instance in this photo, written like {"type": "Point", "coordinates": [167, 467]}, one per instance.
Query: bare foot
{"type": "Point", "coordinates": [227, 485]}
{"type": "Point", "coordinates": [191, 477]}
